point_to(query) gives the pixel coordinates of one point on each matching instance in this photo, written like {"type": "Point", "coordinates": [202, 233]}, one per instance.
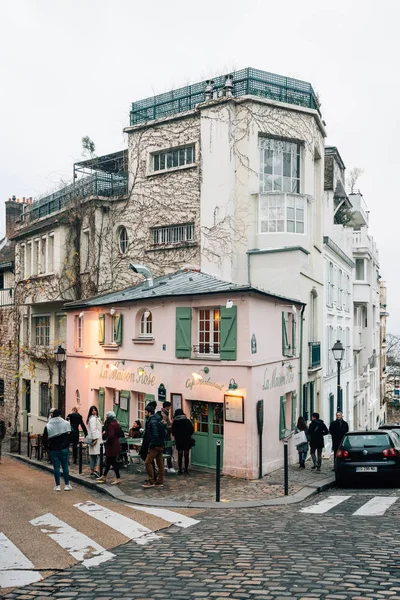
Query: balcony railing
{"type": "Point", "coordinates": [99, 184]}
{"type": "Point", "coordinates": [314, 355]}
{"type": "Point", "coordinates": [6, 297]}
{"type": "Point", "coordinates": [245, 82]}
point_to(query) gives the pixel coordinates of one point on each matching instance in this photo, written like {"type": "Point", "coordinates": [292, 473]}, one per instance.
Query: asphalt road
{"type": "Point", "coordinates": [342, 544]}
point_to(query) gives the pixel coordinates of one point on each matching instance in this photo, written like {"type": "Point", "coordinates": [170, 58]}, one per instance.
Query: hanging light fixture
{"type": "Point", "coordinates": [232, 385]}
{"type": "Point", "coordinates": [196, 376]}
{"type": "Point", "coordinates": [141, 370]}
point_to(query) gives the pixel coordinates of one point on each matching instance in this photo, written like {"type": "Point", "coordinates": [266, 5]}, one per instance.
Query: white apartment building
{"type": "Point", "coordinates": [338, 290]}
{"type": "Point", "coordinates": [366, 315]}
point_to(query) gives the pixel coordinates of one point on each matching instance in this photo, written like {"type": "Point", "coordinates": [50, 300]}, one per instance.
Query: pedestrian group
{"type": "Point", "coordinates": [313, 436]}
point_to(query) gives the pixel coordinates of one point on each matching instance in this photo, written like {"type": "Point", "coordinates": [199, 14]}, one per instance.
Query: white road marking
{"type": "Point", "coordinates": [325, 505]}
{"type": "Point", "coordinates": [79, 545]}
{"type": "Point", "coordinates": [128, 527]}
{"type": "Point", "coordinates": [14, 566]}
{"type": "Point", "coordinates": [166, 515]}
{"type": "Point", "coordinates": [376, 507]}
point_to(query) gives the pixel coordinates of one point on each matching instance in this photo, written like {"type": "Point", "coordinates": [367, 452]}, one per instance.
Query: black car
{"type": "Point", "coordinates": [368, 453]}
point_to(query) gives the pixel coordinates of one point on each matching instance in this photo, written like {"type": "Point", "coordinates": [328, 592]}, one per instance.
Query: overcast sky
{"type": "Point", "coordinates": [72, 68]}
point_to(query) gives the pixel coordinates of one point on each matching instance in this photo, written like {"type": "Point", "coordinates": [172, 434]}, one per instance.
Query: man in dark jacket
{"type": "Point", "coordinates": [56, 438]}
{"type": "Point", "coordinates": [76, 421]}
{"type": "Point", "coordinates": [316, 431]}
{"type": "Point", "coordinates": [154, 441]}
{"type": "Point", "coordinates": [337, 429]}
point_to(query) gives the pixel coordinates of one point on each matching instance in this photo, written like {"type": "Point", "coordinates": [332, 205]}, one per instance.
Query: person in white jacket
{"type": "Point", "coordinates": [94, 426]}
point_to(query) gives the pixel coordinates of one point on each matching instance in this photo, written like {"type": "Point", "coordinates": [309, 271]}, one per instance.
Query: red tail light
{"type": "Point", "coordinates": [342, 454]}
{"type": "Point", "coordinates": [389, 452]}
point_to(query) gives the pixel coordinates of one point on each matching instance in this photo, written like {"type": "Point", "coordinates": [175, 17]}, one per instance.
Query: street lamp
{"type": "Point", "coordinates": [59, 355]}
{"type": "Point", "coordinates": [338, 355]}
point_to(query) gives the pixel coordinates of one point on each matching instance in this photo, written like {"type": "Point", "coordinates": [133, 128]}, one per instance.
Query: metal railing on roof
{"type": "Point", "coordinates": [99, 184]}
{"type": "Point", "coordinates": [245, 82]}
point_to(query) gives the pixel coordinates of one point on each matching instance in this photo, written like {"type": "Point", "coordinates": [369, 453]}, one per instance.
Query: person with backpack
{"type": "Point", "coordinates": [154, 442]}
{"type": "Point", "coordinates": [76, 421]}
{"type": "Point", "coordinates": [316, 432]}
{"type": "Point", "coordinates": [182, 430]}
{"type": "Point", "coordinates": [111, 433]}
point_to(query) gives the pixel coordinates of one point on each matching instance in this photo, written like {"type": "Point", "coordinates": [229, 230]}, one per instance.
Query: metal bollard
{"type": "Point", "coordinates": [19, 443]}
{"type": "Point", "coordinates": [101, 459]}
{"type": "Point", "coordinates": [218, 473]}
{"type": "Point", "coordinates": [286, 467]}
{"type": "Point", "coordinates": [80, 458]}
{"type": "Point", "coordinates": [28, 452]}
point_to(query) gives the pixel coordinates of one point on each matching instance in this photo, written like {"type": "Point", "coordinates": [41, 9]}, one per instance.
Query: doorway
{"type": "Point", "coordinates": [26, 388]}
{"type": "Point", "coordinates": [208, 423]}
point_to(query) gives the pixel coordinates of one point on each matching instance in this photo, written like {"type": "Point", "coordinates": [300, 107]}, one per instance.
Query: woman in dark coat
{"type": "Point", "coordinates": [182, 430]}
{"type": "Point", "coordinates": [111, 433]}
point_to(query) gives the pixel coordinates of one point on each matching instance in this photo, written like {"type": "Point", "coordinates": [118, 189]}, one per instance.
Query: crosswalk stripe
{"type": "Point", "coordinates": [167, 515]}
{"type": "Point", "coordinates": [79, 545]}
{"type": "Point", "coordinates": [128, 527]}
{"type": "Point", "coordinates": [325, 505]}
{"type": "Point", "coordinates": [376, 507]}
{"type": "Point", "coordinates": [15, 567]}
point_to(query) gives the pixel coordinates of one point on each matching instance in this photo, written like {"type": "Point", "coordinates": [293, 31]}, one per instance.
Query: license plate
{"type": "Point", "coordinates": [366, 469]}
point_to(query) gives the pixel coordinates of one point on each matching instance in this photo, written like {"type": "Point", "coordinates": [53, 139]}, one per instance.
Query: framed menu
{"type": "Point", "coordinates": [234, 409]}
{"type": "Point", "coordinates": [176, 401]}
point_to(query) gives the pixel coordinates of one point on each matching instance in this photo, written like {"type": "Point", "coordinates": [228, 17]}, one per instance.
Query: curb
{"type": "Point", "coordinates": [117, 494]}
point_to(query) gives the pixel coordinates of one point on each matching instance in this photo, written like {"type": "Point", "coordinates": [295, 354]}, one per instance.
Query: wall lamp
{"type": "Point", "coordinates": [141, 370]}
{"type": "Point", "coordinates": [197, 376]}
{"type": "Point", "coordinates": [232, 385]}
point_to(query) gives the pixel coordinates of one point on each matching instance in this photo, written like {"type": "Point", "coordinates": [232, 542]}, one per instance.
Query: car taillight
{"type": "Point", "coordinates": [342, 454]}
{"type": "Point", "coordinates": [389, 452]}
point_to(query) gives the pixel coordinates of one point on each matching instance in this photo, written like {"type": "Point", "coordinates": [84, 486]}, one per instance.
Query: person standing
{"type": "Point", "coordinates": [302, 449]}
{"type": "Point", "coordinates": [112, 432]}
{"type": "Point", "coordinates": [56, 438]}
{"type": "Point", "coordinates": [2, 434]}
{"type": "Point", "coordinates": [95, 428]}
{"type": "Point", "coordinates": [168, 427]}
{"type": "Point", "coordinates": [154, 441]}
{"type": "Point", "coordinates": [316, 431]}
{"type": "Point", "coordinates": [337, 429]}
{"type": "Point", "coordinates": [182, 430]}
{"type": "Point", "coordinates": [76, 421]}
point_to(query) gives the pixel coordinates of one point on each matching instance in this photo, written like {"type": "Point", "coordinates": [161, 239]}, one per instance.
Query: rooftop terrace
{"type": "Point", "coordinates": [245, 82]}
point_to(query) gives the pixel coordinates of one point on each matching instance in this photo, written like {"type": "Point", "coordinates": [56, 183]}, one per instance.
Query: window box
{"type": "Point", "coordinates": [143, 340]}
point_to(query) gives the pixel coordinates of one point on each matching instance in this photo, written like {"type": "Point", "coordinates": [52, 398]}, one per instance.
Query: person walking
{"type": "Point", "coordinates": [153, 442]}
{"type": "Point", "coordinates": [76, 421]}
{"type": "Point", "coordinates": [168, 426]}
{"type": "Point", "coordinates": [337, 429]}
{"type": "Point", "coordinates": [95, 428]}
{"type": "Point", "coordinates": [316, 431]}
{"type": "Point", "coordinates": [112, 432]}
{"type": "Point", "coordinates": [302, 449]}
{"type": "Point", "coordinates": [182, 430]}
{"type": "Point", "coordinates": [56, 438]}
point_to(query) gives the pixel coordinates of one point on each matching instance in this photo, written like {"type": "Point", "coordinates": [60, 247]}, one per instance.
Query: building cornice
{"type": "Point", "coordinates": [276, 250]}
{"type": "Point", "coordinates": [335, 248]}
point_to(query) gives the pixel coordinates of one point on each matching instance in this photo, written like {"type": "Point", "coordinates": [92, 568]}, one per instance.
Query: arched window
{"type": "Point", "coordinates": [123, 241]}
{"type": "Point", "coordinates": [146, 324]}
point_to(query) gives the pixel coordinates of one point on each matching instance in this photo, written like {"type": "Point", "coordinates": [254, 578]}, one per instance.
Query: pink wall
{"type": "Point", "coordinates": [255, 314]}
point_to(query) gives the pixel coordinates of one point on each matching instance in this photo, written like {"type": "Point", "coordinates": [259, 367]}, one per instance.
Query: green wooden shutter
{"type": "Point", "coordinates": [101, 403]}
{"type": "Point", "coordinates": [148, 398]}
{"type": "Point", "coordinates": [294, 408]}
{"type": "Point", "coordinates": [311, 398]}
{"type": "Point", "coordinates": [305, 401]}
{"type": "Point", "coordinates": [282, 417]}
{"type": "Point", "coordinates": [294, 335]}
{"type": "Point", "coordinates": [118, 329]}
{"type": "Point", "coordinates": [122, 415]}
{"type": "Point", "coordinates": [228, 333]}
{"type": "Point", "coordinates": [102, 329]}
{"type": "Point", "coordinates": [183, 336]}
{"type": "Point", "coordinates": [285, 339]}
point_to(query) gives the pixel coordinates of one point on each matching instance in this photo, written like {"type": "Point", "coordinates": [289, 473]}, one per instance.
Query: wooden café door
{"type": "Point", "coordinates": [208, 422]}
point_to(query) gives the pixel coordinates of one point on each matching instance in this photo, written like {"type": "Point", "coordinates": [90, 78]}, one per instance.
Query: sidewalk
{"type": "Point", "coordinates": [198, 489]}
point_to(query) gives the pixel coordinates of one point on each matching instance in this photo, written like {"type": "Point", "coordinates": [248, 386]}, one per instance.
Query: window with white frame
{"type": "Point", "coordinates": [123, 241]}
{"type": "Point", "coordinates": [79, 333]}
{"type": "Point", "coordinates": [173, 234]}
{"type": "Point", "coordinates": [173, 158]}
{"type": "Point", "coordinates": [330, 284]}
{"type": "Point", "coordinates": [348, 353]}
{"type": "Point", "coordinates": [22, 260]}
{"type": "Point", "coordinates": [360, 269]}
{"type": "Point", "coordinates": [209, 331]}
{"type": "Point", "coordinates": [347, 293]}
{"type": "Point", "coordinates": [41, 327]}
{"type": "Point", "coordinates": [282, 213]}
{"type": "Point", "coordinates": [28, 261]}
{"type": "Point", "coordinates": [289, 335]}
{"type": "Point", "coordinates": [50, 254]}
{"type": "Point", "coordinates": [140, 408]}
{"type": "Point", "coordinates": [279, 166]}
{"type": "Point", "coordinates": [43, 257]}
{"type": "Point", "coordinates": [36, 258]}
{"type": "Point", "coordinates": [340, 290]}
{"type": "Point", "coordinates": [146, 324]}
{"type": "Point", "coordinates": [44, 405]}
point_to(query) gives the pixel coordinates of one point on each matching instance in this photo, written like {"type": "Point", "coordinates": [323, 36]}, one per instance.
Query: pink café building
{"type": "Point", "coordinates": [213, 348]}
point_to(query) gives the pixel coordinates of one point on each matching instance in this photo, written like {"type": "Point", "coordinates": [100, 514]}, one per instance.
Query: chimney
{"type": "Point", "coordinates": [14, 210]}
{"type": "Point", "coordinates": [208, 92]}
{"type": "Point", "coordinates": [228, 86]}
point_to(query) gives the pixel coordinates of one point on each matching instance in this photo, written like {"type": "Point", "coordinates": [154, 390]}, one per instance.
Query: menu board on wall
{"type": "Point", "coordinates": [234, 409]}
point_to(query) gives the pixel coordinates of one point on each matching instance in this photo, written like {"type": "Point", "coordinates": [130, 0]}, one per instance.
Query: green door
{"type": "Point", "coordinates": [208, 422]}
{"type": "Point", "coordinates": [122, 410]}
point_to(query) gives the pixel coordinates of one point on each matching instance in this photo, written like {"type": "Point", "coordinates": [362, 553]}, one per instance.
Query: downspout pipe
{"type": "Point", "coordinates": [301, 358]}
